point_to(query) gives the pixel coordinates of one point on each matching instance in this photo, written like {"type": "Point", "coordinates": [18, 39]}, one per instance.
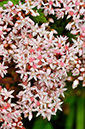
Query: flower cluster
{"type": "Point", "coordinates": [40, 57]}
{"type": "Point", "coordinates": [9, 114]}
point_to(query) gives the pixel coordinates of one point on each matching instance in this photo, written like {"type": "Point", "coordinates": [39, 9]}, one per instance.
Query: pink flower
{"type": "Point", "coordinates": [3, 69]}
{"type": "Point", "coordinates": [7, 94]}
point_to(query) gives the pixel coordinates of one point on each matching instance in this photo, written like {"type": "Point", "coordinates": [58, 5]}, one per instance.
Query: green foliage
{"type": "Point", "coordinates": [70, 117]}
{"type": "Point", "coordinates": [75, 119]}
{"type": "Point", "coordinates": [60, 24]}
{"type": "Point", "coordinates": [42, 124]}
{"type": "Point", "coordinates": [3, 2]}
{"type": "Point", "coordinates": [15, 1]}
{"type": "Point", "coordinates": [80, 113]}
{"type": "Point", "coordinates": [39, 19]}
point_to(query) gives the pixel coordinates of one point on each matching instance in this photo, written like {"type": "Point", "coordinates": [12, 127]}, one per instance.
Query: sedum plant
{"type": "Point", "coordinates": [36, 59]}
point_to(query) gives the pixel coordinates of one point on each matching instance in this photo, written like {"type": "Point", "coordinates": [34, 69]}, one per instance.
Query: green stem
{"type": "Point", "coordinates": [80, 113]}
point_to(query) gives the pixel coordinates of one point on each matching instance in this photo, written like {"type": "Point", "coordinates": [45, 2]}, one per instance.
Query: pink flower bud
{"type": "Point", "coordinates": [10, 3]}
{"type": "Point", "coordinates": [75, 83]}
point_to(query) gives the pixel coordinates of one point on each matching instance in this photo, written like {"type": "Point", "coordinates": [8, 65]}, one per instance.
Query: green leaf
{"type": "Point", "coordinates": [48, 126]}
{"type": "Point", "coordinates": [80, 121]}
{"type": "Point", "coordinates": [3, 2]}
{"type": "Point", "coordinates": [70, 100]}
{"type": "Point", "coordinates": [41, 124]}
{"type": "Point", "coordinates": [70, 118]}
{"type": "Point", "coordinates": [39, 19]}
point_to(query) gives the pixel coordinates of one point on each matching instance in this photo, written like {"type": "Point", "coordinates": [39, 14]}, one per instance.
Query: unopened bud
{"type": "Point", "coordinates": [75, 83]}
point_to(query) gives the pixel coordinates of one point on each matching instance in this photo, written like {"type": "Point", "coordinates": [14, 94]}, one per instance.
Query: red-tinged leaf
{"type": "Point", "coordinates": [16, 76]}
{"type": "Point", "coordinates": [7, 79]}
{"type": "Point", "coordinates": [7, 86]}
